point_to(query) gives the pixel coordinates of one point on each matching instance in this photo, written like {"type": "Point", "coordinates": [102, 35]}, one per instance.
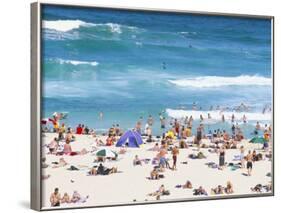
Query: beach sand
{"type": "Point", "coordinates": [130, 184]}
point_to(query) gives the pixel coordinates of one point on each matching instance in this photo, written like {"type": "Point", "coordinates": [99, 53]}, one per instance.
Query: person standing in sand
{"type": "Point", "coordinates": [221, 158]}
{"type": "Point", "coordinates": [55, 198]}
{"type": "Point", "coordinates": [249, 159]}
{"type": "Point", "coordinates": [175, 152]}
{"type": "Point", "coordinates": [242, 157]}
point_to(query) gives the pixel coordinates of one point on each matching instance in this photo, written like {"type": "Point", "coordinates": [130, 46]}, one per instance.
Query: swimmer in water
{"type": "Point", "coordinates": [163, 65]}
{"type": "Point", "coordinates": [244, 119]}
{"type": "Point", "coordinates": [101, 115]}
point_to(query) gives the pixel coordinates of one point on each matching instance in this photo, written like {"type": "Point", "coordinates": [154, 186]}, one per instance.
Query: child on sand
{"type": "Point", "coordinates": [65, 198]}
{"type": "Point", "coordinates": [175, 152]}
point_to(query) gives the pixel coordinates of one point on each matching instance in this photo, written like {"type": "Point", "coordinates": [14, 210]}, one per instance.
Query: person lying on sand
{"type": "Point", "coordinates": [218, 190]}
{"type": "Point", "coordinates": [155, 148]}
{"type": "Point", "coordinates": [44, 164]}
{"type": "Point", "coordinates": [77, 198]}
{"type": "Point", "coordinates": [161, 191]}
{"type": "Point", "coordinates": [187, 185]}
{"type": "Point", "coordinates": [61, 163]}
{"type": "Point", "coordinates": [55, 198]}
{"type": "Point", "coordinates": [137, 161]}
{"type": "Point", "coordinates": [262, 188]}
{"type": "Point", "coordinates": [200, 191]}
{"type": "Point", "coordinates": [102, 170]}
{"type": "Point", "coordinates": [122, 150]}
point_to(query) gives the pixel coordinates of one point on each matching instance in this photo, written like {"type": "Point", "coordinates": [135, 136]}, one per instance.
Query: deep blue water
{"type": "Point", "coordinates": [128, 64]}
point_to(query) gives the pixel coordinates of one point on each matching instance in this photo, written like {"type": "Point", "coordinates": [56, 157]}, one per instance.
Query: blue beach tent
{"type": "Point", "coordinates": [130, 138]}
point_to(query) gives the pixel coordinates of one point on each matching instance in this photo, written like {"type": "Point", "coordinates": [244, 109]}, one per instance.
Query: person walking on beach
{"type": "Point", "coordinates": [242, 157]}
{"type": "Point", "coordinates": [175, 152]}
{"type": "Point", "coordinates": [55, 198]}
{"type": "Point", "coordinates": [221, 158]}
{"type": "Point", "coordinates": [249, 159]}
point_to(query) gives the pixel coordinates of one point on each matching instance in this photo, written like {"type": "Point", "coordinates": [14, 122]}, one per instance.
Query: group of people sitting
{"type": "Point", "coordinates": [60, 147]}
{"type": "Point", "coordinates": [56, 199]}
{"type": "Point", "coordinates": [223, 190]}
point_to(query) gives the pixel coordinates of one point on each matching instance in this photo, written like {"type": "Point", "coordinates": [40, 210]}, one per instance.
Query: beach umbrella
{"type": "Point", "coordinates": [106, 153]}
{"type": "Point", "coordinates": [257, 140]}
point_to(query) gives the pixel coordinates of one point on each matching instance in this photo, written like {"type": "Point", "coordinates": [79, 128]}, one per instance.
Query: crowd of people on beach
{"type": "Point", "coordinates": [178, 134]}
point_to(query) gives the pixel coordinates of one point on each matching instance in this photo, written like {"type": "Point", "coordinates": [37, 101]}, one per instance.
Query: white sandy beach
{"type": "Point", "coordinates": [131, 185]}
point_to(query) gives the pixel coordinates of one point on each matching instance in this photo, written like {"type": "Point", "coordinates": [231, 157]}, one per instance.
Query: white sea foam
{"type": "Point", "coordinates": [217, 115]}
{"type": "Point", "coordinates": [68, 25]}
{"type": "Point", "coordinates": [219, 81]}
{"type": "Point", "coordinates": [73, 62]}
{"type": "Point", "coordinates": [64, 25]}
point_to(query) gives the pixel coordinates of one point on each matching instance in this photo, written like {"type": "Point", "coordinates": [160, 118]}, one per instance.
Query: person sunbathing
{"type": "Point", "coordinates": [200, 191]}
{"type": "Point", "coordinates": [67, 150]}
{"type": "Point", "coordinates": [76, 197]}
{"type": "Point", "coordinates": [61, 163]}
{"type": "Point", "coordinates": [154, 174]}
{"type": "Point", "coordinates": [55, 198]}
{"type": "Point", "coordinates": [218, 190]}
{"type": "Point", "coordinates": [109, 141]}
{"type": "Point", "coordinates": [229, 188]}
{"type": "Point", "coordinates": [155, 148]}
{"type": "Point", "coordinates": [106, 171]}
{"type": "Point", "coordinates": [161, 191]}
{"type": "Point", "coordinates": [137, 161]}
{"type": "Point", "coordinates": [65, 198]}
{"type": "Point", "coordinates": [187, 185]}
{"type": "Point", "coordinates": [93, 171]}
{"type": "Point", "coordinates": [44, 164]}
{"type": "Point", "coordinates": [53, 146]}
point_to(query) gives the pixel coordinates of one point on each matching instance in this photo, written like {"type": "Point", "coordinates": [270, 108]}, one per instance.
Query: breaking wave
{"type": "Point", "coordinates": [221, 81]}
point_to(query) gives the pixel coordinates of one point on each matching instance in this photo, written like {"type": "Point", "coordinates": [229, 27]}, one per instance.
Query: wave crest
{"type": "Point", "coordinates": [68, 25]}
{"type": "Point", "coordinates": [74, 62]}
{"type": "Point", "coordinates": [218, 81]}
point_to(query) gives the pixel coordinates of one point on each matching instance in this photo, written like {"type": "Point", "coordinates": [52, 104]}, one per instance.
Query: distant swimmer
{"type": "Point", "coordinates": [222, 118]}
{"type": "Point", "coordinates": [209, 116]}
{"type": "Point", "coordinates": [150, 120]}
{"type": "Point", "coordinates": [164, 66]}
{"type": "Point", "coordinates": [232, 118]}
{"type": "Point", "coordinates": [258, 126]}
{"type": "Point", "coordinates": [101, 115]}
{"type": "Point", "coordinates": [194, 107]}
{"type": "Point", "coordinates": [211, 108]}
{"type": "Point", "coordinates": [244, 119]}
{"type": "Point", "coordinates": [201, 117]}
{"type": "Point", "coordinates": [218, 107]}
